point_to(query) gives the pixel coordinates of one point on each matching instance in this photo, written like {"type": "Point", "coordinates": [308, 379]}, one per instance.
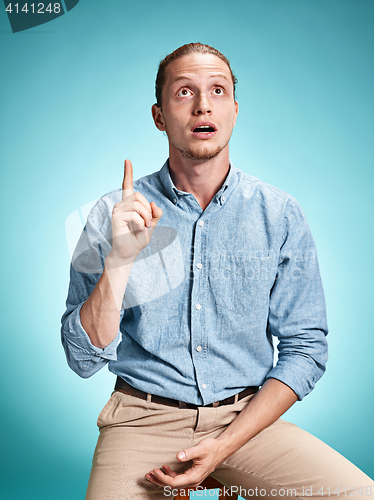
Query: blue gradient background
{"type": "Point", "coordinates": [75, 102]}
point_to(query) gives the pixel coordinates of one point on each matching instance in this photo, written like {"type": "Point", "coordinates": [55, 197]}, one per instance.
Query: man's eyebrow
{"type": "Point", "coordinates": [186, 77]}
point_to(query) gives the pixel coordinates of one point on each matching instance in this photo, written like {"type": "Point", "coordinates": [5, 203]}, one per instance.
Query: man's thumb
{"type": "Point", "coordinates": [156, 213]}
{"type": "Point", "coordinates": [182, 456]}
{"type": "Point", "coordinates": [189, 454]}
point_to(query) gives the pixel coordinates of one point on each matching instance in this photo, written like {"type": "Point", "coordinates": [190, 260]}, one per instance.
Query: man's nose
{"type": "Point", "coordinates": [203, 105]}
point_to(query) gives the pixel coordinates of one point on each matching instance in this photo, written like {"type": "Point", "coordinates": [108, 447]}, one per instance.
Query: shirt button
{"type": "Point", "coordinates": [198, 307]}
{"type": "Point", "coordinates": [223, 198]}
{"type": "Point", "coordinates": [199, 265]}
{"type": "Point", "coordinates": [175, 200]}
{"type": "Point", "coordinates": [201, 223]}
{"type": "Point", "coordinates": [198, 348]}
{"type": "Point", "coordinates": [204, 386]}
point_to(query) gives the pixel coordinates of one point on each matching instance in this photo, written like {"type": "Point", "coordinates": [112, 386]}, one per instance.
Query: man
{"type": "Point", "coordinates": [197, 300]}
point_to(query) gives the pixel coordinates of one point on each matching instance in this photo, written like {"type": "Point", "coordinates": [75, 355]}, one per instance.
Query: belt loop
{"type": "Point", "coordinates": [149, 398]}
{"type": "Point", "coordinates": [216, 404]}
{"type": "Point", "coordinates": [236, 398]}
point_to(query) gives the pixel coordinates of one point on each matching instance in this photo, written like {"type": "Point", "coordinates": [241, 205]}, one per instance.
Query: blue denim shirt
{"type": "Point", "coordinates": [207, 295]}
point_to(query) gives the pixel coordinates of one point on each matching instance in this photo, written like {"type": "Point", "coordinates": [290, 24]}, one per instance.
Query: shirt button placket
{"type": "Point", "coordinates": [197, 338]}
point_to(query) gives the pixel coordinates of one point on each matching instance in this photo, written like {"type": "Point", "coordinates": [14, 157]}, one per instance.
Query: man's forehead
{"type": "Point", "coordinates": [191, 65]}
{"type": "Point", "coordinates": [190, 76]}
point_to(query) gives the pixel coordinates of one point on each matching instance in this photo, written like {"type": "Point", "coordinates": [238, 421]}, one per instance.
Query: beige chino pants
{"type": "Point", "coordinates": [280, 462]}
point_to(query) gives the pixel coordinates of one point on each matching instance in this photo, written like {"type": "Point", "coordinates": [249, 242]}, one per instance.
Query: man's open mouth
{"type": "Point", "coordinates": [204, 129]}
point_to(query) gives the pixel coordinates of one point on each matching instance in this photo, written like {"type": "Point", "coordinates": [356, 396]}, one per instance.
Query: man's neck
{"type": "Point", "coordinates": [202, 178]}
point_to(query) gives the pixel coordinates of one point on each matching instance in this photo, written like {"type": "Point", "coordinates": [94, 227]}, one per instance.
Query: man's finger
{"type": "Point", "coordinates": [168, 471]}
{"type": "Point", "coordinates": [188, 478]}
{"type": "Point", "coordinates": [127, 184]}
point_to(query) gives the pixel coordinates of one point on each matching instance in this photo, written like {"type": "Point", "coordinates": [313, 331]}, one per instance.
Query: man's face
{"type": "Point", "coordinates": [198, 109]}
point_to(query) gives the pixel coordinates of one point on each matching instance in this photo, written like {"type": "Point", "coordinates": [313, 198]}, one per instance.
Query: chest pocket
{"type": "Point", "coordinates": [241, 284]}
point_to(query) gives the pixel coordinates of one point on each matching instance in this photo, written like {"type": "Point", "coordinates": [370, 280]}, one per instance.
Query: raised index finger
{"type": "Point", "coordinates": [127, 186]}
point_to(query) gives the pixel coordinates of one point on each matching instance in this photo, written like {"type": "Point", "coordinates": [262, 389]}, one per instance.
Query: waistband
{"type": "Point", "coordinates": [126, 388]}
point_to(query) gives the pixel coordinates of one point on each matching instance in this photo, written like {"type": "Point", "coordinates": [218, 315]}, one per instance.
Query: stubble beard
{"type": "Point", "coordinates": [198, 154]}
{"type": "Point", "coordinates": [202, 154]}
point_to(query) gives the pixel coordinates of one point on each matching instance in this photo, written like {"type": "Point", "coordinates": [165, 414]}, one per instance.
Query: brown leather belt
{"type": "Point", "coordinates": [126, 388]}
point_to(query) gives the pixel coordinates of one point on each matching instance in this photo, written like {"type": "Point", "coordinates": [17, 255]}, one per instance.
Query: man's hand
{"type": "Point", "coordinates": [264, 408]}
{"type": "Point", "coordinates": [133, 221]}
{"type": "Point", "coordinates": [206, 456]}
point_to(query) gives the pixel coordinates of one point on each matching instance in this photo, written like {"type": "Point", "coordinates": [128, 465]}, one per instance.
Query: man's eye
{"type": "Point", "coordinates": [184, 92]}
{"type": "Point", "coordinates": [218, 91]}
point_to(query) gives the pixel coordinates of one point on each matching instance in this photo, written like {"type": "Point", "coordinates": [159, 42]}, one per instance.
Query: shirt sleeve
{"type": "Point", "coordinates": [85, 270]}
{"type": "Point", "coordinates": [297, 311]}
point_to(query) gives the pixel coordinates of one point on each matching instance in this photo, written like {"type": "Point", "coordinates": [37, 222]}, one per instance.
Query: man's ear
{"type": "Point", "coordinates": [236, 111]}
{"type": "Point", "coordinates": [158, 118]}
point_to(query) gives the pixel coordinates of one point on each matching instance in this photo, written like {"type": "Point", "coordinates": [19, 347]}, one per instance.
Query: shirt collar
{"type": "Point", "coordinates": [221, 196]}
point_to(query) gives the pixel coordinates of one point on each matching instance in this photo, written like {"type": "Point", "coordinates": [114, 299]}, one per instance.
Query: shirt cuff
{"type": "Point", "coordinates": [299, 374]}
{"type": "Point", "coordinates": [76, 334]}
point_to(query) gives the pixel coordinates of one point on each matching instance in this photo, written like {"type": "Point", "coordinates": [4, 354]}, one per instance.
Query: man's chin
{"type": "Point", "coordinates": [201, 154]}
